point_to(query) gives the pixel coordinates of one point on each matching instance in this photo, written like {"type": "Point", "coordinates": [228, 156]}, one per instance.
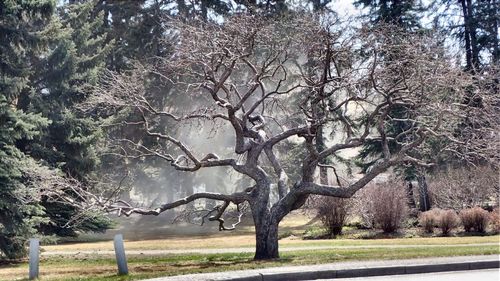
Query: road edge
{"type": "Point", "coordinates": [366, 272]}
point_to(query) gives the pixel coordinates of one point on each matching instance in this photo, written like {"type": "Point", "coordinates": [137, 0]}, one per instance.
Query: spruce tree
{"type": "Point", "coordinates": [66, 75]}
{"type": "Point", "coordinates": [20, 41]}
{"type": "Point", "coordinates": [402, 15]}
{"type": "Point", "coordinates": [475, 23]}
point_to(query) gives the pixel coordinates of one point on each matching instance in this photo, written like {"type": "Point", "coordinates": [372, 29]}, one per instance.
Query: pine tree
{"type": "Point", "coordinates": [19, 216]}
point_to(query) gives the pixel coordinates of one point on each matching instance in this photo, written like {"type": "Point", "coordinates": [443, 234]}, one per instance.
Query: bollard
{"type": "Point", "coordinates": [34, 258]}
{"type": "Point", "coordinates": [121, 259]}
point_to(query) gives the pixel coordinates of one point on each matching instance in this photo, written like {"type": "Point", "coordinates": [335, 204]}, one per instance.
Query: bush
{"type": "Point", "coordinates": [428, 220]}
{"type": "Point", "coordinates": [383, 205]}
{"type": "Point", "coordinates": [286, 234]}
{"type": "Point", "coordinates": [333, 213]}
{"type": "Point", "coordinates": [314, 232]}
{"type": "Point", "coordinates": [464, 188]}
{"type": "Point", "coordinates": [474, 219]}
{"type": "Point", "coordinates": [447, 220]}
{"type": "Point", "coordinates": [495, 220]}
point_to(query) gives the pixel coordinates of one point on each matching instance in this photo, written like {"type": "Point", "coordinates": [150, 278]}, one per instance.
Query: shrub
{"type": "Point", "coordinates": [447, 220]}
{"type": "Point", "coordinates": [464, 188]}
{"type": "Point", "coordinates": [428, 220]}
{"type": "Point", "coordinates": [333, 213]}
{"type": "Point", "coordinates": [285, 234]}
{"type": "Point", "coordinates": [383, 205]}
{"type": "Point", "coordinates": [364, 205]}
{"type": "Point", "coordinates": [495, 220]}
{"type": "Point", "coordinates": [314, 232]}
{"type": "Point", "coordinates": [474, 219]}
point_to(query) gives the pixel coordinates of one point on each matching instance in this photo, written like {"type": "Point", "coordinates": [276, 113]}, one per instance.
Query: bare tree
{"type": "Point", "coordinates": [249, 75]}
{"type": "Point", "coordinates": [461, 188]}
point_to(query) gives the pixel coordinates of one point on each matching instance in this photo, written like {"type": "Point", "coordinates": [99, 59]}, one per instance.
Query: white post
{"type": "Point", "coordinates": [34, 258]}
{"type": "Point", "coordinates": [121, 259]}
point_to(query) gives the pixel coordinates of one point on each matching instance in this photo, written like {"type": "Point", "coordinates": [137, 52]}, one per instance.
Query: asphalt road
{"type": "Point", "coordinates": [479, 275]}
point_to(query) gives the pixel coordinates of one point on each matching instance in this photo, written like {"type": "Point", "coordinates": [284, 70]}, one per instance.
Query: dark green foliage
{"type": "Point", "coordinates": [405, 16]}
{"type": "Point", "coordinates": [21, 20]}
{"type": "Point", "coordinates": [372, 151]}
{"type": "Point", "coordinates": [475, 23]}
{"type": "Point", "coordinates": [70, 70]}
{"type": "Point", "coordinates": [48, 63]}
{"type": "Point", "coordinates": [18, 214]}
{"type": "Point", "coordinates": [403, 13]}
{"type": "Point", "coordinates": [77, 56]}
{"type": "Point", "coordinates": [19, 41]}
{"type": "Point", "coordinates": [136, 29]}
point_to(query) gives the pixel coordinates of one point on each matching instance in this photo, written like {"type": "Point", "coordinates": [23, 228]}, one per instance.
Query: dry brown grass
{"type": "Point", "coordinates": [236, 241]}
{"type": "Point", "coordinates": [243, 237]}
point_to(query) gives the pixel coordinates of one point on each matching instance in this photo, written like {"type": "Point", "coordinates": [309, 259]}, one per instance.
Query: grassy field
{"type": "Point", "coordinates": [91, 266]}
{"type": "Point", "coordinates": [234, 241]}
{"type": "Point", "coordinates": [96, 267]}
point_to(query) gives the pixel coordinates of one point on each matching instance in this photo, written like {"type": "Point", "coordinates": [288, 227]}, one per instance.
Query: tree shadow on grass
{"type": "Point", "coordinates": [237, 264]}
{"type": "Point", "coordinates": [9, 263]}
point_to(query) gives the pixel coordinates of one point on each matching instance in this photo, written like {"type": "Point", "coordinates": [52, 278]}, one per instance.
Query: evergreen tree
{"type": "Point", "coordinates": [19, 215]}
{"type": "Point", "coordinates": [475, 23]}
{"type": "Point", "coordinates": [404, 16]}
{"type": "Point", "coordinates": [76, 58]}
{"type": "Point", "coordinates": [20, 40]}
{"type": "Point", "coordinates": [402, 13]}
{"type": "Point", "coordinates": [136, 28]}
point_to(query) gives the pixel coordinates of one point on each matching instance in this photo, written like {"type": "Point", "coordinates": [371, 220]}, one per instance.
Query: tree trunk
{"type": "Point", "coordinates": [473, 35]}
{"type": "Point", "coordinates": [409, 194]}
{"type": "Point", "coordinates": [425, 202]}
{"type": "Point", "coordinates": [495, 10]}
{"type": "Point", "coordinates": [470, 36]}
{"type": "Point", "coordinates": [266, 244]}
{"type": "Point", "coordinates": [266, 225]}
{"type": "Point", "coordinates": [320, 146]}
{"type": "Point", "coordinates": [412, 205]}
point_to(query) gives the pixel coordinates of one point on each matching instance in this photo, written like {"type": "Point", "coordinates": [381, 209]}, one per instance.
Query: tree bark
{"type": "Point", "coordinates": [320, 146]}
{"type": "Point", "coordinates": [266, 235]}
{"type": "Point", "coordinates": [495, 10]}
{"type": "Point", "coordinates": [266, 223]}
{"type": "Point", "coordinates": [470, 38]}
{"type": "Point", "coordinates": [411, 199]}
{"type": "Point", "coordinates": [266, 244]}
{"type": "Point", "coordinates": [425, 203]}
{"type": "Point", "coordinates": [412, 205]}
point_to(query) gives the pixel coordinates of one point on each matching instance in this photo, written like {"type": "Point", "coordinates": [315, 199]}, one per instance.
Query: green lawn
{"type": "Point", "coordinates": [104, 268]}
{"type": "Point", "coordinates": [99, 267]}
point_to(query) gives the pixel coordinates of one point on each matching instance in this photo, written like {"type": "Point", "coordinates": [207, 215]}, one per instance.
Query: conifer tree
{"type": "Point", "coordinates": [75, 60]}
{"type": "Point", "coordinates": [404, 15]}
{"type": "Point", "coordinates": [20, 27]}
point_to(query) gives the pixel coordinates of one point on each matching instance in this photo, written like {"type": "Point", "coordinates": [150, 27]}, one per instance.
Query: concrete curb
{"type": "Point", "coordinates": [365, 272]}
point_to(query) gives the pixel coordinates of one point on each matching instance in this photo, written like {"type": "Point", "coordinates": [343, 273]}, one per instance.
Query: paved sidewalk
{"type": "Point", "coordinates": [247, 249]}
{"type": "Point", "coordinates": [347, 269]}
